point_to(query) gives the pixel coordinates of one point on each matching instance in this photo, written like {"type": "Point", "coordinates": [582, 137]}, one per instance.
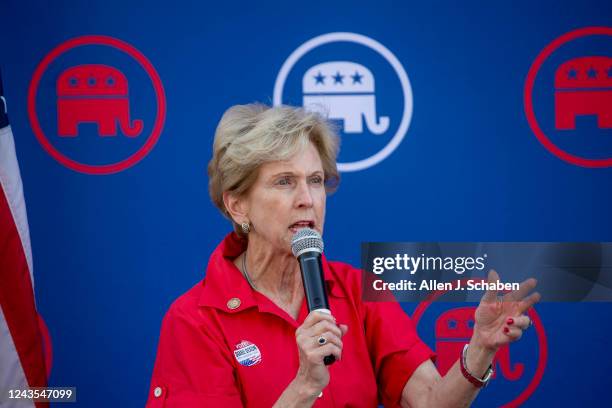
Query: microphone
{"type": "Point", "coordinates": [307, 247]}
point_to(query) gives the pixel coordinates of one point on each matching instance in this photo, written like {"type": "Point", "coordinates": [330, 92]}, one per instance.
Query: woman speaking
{"type": "Point", "coordinates": [243, 335]}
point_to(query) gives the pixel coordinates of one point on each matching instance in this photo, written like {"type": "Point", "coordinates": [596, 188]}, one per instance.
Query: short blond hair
{"type": "Point", "coordinates": [250, 135]}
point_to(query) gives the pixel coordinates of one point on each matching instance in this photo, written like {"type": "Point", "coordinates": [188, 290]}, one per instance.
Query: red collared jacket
{"type": "Point", "coordinates": [222, 344]}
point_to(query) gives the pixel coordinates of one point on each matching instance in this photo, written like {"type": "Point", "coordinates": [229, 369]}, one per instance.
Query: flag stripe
{"type": "Point", "coordinates": [10, 179]}
{"type": "Point", "coordinates": [11, 372]}
{"type": "Point", "coordinates": [16, 289]}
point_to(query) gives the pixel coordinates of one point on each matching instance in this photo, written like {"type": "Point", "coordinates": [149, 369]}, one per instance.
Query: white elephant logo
{"type": "Point", "coordinates": [344, 90]}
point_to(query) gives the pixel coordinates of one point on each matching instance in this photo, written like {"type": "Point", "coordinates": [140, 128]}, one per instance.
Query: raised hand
{"type": "Point", "coordinates": [500, 320]}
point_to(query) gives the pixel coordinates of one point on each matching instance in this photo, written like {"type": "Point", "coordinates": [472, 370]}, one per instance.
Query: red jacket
{"type": "Point", "coordinates": [222, 344]}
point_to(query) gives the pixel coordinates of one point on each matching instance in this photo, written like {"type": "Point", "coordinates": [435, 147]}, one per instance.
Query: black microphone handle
{"type": "Point", "coordinates": [314, 286]}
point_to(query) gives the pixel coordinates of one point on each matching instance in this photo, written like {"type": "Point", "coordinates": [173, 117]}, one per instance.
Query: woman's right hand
{"type": "Point", "coordinates": [312, 373]}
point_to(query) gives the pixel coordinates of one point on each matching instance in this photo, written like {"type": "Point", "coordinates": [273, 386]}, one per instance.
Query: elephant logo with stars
{"type": "Point", "coordinates": [344, 91]}
{"type": "Point", "coordinates": [359, 84]}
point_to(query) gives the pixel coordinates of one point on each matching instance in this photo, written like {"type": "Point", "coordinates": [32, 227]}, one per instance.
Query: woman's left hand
{"type": "Point", "coordinates": [501, 320]}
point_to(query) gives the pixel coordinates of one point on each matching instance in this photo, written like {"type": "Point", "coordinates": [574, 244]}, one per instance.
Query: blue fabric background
{"type": "Point", "coordinates": [112, 252]}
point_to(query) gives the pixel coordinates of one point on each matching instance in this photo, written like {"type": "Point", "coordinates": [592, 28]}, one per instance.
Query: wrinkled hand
{"type": "Point", "coordinates": [312, 372]}
{"type": "Point", "coordinates": [501, 320]}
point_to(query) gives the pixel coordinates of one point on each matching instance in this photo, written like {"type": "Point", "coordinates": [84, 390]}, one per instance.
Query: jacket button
{"type": "Point", "coordinates": [157, 392]}
{"type": "Point", "coordinates": [233, 303]}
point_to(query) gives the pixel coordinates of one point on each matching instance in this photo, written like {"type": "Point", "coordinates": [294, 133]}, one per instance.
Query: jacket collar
{"type": "Point", "coordinates": [226, 289]}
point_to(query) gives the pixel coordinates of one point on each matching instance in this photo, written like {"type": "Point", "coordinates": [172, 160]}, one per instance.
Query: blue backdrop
{"type": "Point", "coordinates": [112, 251]}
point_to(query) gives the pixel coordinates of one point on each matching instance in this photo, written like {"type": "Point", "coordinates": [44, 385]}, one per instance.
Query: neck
{"type": "Point", "coordinates": [274, 274]}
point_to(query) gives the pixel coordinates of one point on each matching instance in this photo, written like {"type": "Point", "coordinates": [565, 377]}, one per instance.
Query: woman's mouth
{"type": "Point", "coordinates": [301, 224]}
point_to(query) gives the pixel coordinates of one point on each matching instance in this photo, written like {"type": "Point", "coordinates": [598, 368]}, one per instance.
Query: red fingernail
{"type": "Point", "coordinates": [506, 330]}
{"type": "Point", "coordinates": [510, 320]}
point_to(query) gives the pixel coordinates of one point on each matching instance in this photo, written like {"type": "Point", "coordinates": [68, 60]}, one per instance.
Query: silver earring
{"type": "Point", "coordinates": [246, 228]}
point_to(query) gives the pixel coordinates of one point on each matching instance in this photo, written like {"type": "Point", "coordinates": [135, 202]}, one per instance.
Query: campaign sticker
{"type": "Point", "coordinates": [247, 353]}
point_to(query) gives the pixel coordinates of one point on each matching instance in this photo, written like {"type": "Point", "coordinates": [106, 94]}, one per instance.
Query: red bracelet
{"type": "Point", "coordinates": [477, 382]}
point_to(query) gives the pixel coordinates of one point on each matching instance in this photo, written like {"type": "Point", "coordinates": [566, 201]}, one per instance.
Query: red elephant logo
{"type": "Point", "coordinates": [94, 94]}
{"type": "Point", "coordinates": [453, 330]}
{"type": "Point", "coordinates": [583, 86]}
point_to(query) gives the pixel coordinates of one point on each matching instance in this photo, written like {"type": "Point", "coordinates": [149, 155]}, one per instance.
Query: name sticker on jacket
{"type": "Point", "coordinates": [247, 353]}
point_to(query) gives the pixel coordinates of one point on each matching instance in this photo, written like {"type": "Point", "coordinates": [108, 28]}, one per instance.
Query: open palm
{"type": "Point", "coordinates": [501, 320]}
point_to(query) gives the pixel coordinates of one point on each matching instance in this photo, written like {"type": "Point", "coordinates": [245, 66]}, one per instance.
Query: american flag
{"type": "Point", "coordinates": [22, 362]}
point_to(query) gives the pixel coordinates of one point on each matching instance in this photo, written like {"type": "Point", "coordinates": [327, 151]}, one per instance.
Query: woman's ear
{"type": "Point", "coordinates": [236, 207]}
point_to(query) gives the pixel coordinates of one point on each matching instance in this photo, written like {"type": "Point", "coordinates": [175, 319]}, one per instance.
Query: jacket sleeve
{"type": "Point", "coordinates": [395, 349]}
{"type": "Point", "coordinates": [192, 368]}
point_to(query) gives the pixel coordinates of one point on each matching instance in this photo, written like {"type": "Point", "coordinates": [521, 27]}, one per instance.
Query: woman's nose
{"type": "Point", "coordinates": [304, 195]}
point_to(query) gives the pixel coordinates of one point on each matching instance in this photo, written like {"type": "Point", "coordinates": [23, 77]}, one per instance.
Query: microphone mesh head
{"type": "Point", "coordinates": [306, 239]}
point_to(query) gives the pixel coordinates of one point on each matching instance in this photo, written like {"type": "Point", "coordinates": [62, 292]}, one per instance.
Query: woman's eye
{"type": "Point", "coordinates": [285, 181]}
{"type": "Point", "coordinates": [317, 180]}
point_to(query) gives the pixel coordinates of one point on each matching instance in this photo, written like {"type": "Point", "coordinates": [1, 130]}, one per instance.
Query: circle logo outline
{"type": "Point", "coordinates": [157, 86]}
{"type": "Point", "coordinates": [528, 97]}
{"type": "Point", "coordinates": [388, 56]}
{"type": "Point", "coordinates": [542, 344]}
